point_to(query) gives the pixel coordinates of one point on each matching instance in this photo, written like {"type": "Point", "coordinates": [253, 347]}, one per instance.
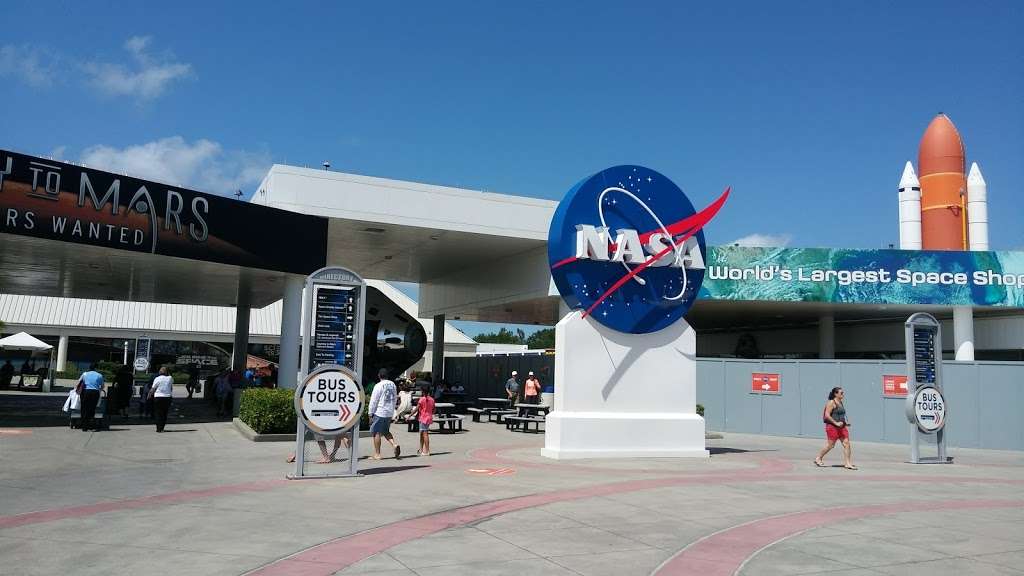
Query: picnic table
{"type": "Point", "coordinates": [493, 409]}
{"type": "Point", "coordinates": [446, 421]}
{"type": "Point", "coordinates": [528, 414]}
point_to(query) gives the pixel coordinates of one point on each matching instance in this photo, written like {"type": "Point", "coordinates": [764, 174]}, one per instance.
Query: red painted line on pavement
{"type": "Point", "coordinates": [132, 503]}
{"type": "Point", "coordinates": [335, 555]}
{"type": "Point", "coordinates": [764, 466]}
{"type": "Point", "coordinates": [330, 557]}
{"type": "Point", "coordinates": [725, 553]}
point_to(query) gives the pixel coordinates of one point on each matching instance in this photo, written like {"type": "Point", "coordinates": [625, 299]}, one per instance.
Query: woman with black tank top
{"type": "Point", "coordinates": [837, 427]}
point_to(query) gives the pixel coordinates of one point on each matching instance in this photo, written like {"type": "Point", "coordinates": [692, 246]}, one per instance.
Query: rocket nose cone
{"type": "Point", "coordinates": [975, 177]}
{"type": "Point", "coordinates": [941, 148]}
{"type": "Point", "coordinates": [909, 179]}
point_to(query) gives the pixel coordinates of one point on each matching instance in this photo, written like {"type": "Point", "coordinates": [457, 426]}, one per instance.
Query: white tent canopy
{"type": "Point", "coordinates": [24, 341]}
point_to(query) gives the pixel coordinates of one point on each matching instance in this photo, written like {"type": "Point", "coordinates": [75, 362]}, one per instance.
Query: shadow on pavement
{"type": "Point", "coordinates": [390, 469]}
{"type": "Point", "coordinates": [715, 450]}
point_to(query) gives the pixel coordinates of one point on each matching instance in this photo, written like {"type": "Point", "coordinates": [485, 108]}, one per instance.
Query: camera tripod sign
{"type": "Point", "coordinates": [330, 400]}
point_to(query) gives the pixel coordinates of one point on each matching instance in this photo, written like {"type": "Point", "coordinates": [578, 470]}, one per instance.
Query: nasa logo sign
{"type": "Point", "coordinates": [627, 247]}
{"type": "Point", "coordinates": [330, 400]}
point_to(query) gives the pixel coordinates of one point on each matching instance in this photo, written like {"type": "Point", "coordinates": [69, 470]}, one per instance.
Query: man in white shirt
{"type": "Point", "coordinates": [163, 387]}
{"type": "Point", "coordinates": [382, 409]}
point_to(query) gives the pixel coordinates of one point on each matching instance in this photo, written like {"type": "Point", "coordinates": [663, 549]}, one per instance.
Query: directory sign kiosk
{"type": "Point", "coordinates": [926, 405]}
{"type": "Point", "coordinates": [330, 398]}
{"type": "Point", "coordinates": [142, 353]}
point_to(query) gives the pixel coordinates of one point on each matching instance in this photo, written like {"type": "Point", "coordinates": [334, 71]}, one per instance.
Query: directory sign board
{"type": "Point", "coordinates": [334, 327]}
{"type": "Point", "coordinates": [142, 354]}
{"type": "Point", "coordinates": [329, 402]}
{"type": "Point", "coordinates": [925, 406]}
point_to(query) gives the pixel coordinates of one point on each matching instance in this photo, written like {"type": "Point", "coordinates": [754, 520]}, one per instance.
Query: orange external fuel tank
{"type": "Point", "coordinates": [940, 163]}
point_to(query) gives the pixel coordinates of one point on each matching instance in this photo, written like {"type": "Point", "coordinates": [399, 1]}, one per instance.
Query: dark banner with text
{"type": "Point", "coordinates": [58, 201]}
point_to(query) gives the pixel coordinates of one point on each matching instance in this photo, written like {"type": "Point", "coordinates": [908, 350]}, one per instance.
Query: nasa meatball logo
{"type": "Point", "coordinates": [627, 247]}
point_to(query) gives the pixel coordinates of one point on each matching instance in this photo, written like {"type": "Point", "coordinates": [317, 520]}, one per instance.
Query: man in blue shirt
{"type": "Point", "coordinates": [90, 383]}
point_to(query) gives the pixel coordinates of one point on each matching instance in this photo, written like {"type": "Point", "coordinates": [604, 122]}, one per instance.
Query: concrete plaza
{"type": "Point", "coordinates": [203, 500]}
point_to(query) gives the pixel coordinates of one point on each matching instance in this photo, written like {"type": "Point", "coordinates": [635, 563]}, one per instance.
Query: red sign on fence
{"type": "Point", "coordinates": [894, 385]}
{"type": "Point", "coordinates": [764, 383]}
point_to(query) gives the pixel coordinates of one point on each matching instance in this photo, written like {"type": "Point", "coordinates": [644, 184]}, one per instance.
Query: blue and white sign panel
{"type": "Point", "coordinates": [626, 246]}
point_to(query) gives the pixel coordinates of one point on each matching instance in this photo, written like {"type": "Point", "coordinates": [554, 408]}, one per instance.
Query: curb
{"type": "Point", "coordinates": [252, 435]}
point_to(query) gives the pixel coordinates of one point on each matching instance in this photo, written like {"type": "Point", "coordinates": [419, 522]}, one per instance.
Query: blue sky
{"type": "Point", "coordinates": [808, 109]}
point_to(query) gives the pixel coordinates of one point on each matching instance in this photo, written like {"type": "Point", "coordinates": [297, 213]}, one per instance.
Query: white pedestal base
{"type": "Point", "coordinates": [623, 395]}
{"type": "Point", "coordinates": [610, 435]}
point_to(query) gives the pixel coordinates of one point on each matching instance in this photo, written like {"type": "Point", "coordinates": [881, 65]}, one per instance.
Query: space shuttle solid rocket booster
{"type": "Point", "coordinates": [910, 210]}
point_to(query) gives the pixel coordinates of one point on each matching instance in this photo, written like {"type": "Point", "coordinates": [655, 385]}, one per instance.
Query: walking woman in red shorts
{"type": "Point", "coordinates": [837, 427]}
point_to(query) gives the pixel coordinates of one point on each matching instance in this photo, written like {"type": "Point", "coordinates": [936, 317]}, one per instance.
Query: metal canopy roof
{"type": "Point", "coordinates": [38, 267]}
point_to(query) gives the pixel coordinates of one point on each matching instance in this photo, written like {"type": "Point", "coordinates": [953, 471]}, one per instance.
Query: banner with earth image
{"type": "Point", "coordinates": [838, 275]}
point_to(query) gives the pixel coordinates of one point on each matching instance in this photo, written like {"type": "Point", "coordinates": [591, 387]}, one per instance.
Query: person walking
{"type": "Point", "coordinates": [124, 388]}
{"type": "Point", "coordinates": [405, 407]}
{"type": "Point", "coordinates": [222, 387]}
{"type": "Point", "coordinates": [512, 389]}
{"type": "Point", "coordinates": [837, 427]}
{"type": "Point", "coordinates": [90, 386]}
{"type": "Point", "coordinates": [193, 380]}
{"type": "Point", "coordinates": [425, 417]}
{"type": "Point", "coordinates": [532, 390]}
{"type": "Point", "coordinates": [163, 387]}
{"type": "Point", "coordinates": [6, 374]}
{"type": "Point", "coordinates": [382, 409]}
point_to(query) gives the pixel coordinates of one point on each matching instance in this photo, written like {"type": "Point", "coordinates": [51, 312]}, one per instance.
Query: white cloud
{"type": "Point", "coordinates": [203, 164]}
{"type": "Point", "coordinates": [146, 78]}
{"type": "Point", "coordinates": [763, 240]}
{"type": "Point", "coordinates": [34, 65]}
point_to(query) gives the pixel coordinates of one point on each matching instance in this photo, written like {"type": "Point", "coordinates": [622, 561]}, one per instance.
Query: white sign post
{"type": "Point", "coordinates": [926, 407]}
{"type": "Point", "coordinates": [330, 399]}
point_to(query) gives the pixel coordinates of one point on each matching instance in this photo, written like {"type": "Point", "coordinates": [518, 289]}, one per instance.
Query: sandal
{"type": "Point", "coordinates": [819, 463]}
{"type": "Point", "coordinates": [851, 467]}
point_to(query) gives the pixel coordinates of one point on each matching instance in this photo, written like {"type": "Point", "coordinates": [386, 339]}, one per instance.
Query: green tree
{"type": "Point", "coordinates": [502, 336]}
{"type": "Point", "coordinates": [541, 339]}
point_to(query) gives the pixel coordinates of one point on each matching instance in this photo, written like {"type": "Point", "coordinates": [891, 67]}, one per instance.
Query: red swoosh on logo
{"type": "Point", "coordinates": [687, 227]}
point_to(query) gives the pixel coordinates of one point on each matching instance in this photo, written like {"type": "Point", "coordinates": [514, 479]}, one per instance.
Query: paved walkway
{"type": "Point", "coordinates": [202, 500]}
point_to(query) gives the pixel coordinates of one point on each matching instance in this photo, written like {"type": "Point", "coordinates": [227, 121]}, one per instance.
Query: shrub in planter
{"type": "Point", "coordinates": [268, 411]}
{"type": "Point", "coordinates": [700, 410]}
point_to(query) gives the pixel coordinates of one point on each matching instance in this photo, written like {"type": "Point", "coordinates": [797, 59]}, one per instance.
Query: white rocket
{"type": "Point", "coordinates": [977, 209]}
{"type": "Point", "coordinates": [910, 209]}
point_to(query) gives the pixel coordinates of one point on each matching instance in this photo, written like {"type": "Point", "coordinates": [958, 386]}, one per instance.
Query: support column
{"type": "Point", "coordinates": [963, 333]}
{"type": "Point", "coordinates": [239, 352]}
{"type": "Point", "coordinates": [291, 335]}
{"type": "Point", "coordinates": [437, 358]}
{"type": "Point", "coordinates": [62, 353]}
{"type": "Point", "coordinates": [827, 336]}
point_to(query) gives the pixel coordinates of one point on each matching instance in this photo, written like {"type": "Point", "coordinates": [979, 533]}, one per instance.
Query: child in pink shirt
{"type": "Point", "coordinates": [425, 416]}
